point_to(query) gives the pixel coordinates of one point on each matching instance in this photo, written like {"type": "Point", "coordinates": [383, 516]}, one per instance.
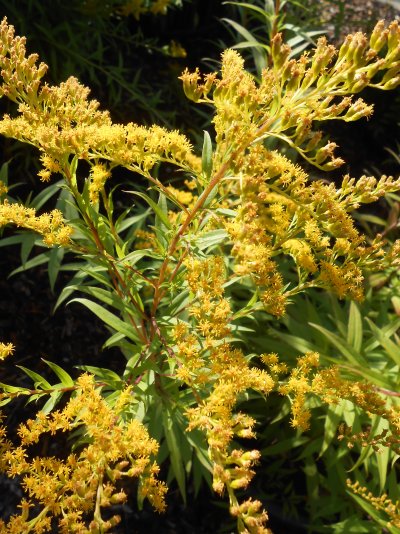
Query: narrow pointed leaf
{"type": "Point", "coordinates": [109, 318]}
{"type": "Point", "coordinates": [206, 156]}
{"type": "Point", "coordinates": [65, 378]}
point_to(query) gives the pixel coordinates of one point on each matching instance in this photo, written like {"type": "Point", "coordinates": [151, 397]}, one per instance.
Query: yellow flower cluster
{"type": "Point", "coordinates": [50, 166]}
{"type": "Point", "coordinates": [61, 121]}
{"type": "Point", "coordinates": [293, 94]}
{"type": "Point", "coordinates": [381, 504]}
{"type": "Point", "coordinates": [254, 517]}
{"type": "Point", "coordinates": [98, 177]}
{"type": "Point", "coordinates": [50, 225]}
{"type": "Point", "coordinates": [211, 312]}
{"type": "Point", "coordinates": [298, 385]}
{"type": "Point", "coordinates": [6, 349]}
{"type": "Point", "coordinates": [113, 449]}
{"type": "Point", "coordinates": [186, 198]}
{"type": "Point", "coordinates": [205, 279]}
{"type": "Point", "coordinates": [210, 362]}
{"type": "Point", "coordinates": [232, 468]}
{"type": "Point", "coordinates": [278, 212]}
{"type": "Point", "coordinates": [282, 214]}
{"type": "Point", "coordinates": [145, 239]}
{"type": "Point", "coordinates": [328, 384]}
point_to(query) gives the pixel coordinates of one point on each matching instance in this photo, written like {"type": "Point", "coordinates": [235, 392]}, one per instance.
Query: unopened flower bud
{"type": "Point", "coordinates": [251, 456]}
{"type": "Point", "coordinates": [118, 498]}
{"type": "Point", "coordinates": [333, 164]}
{"type": "Point", "coordinates": [114, 521]}
{"type": "Point", "coordinates": [121, 465]}
{"type": "Point", "coordinates": [391, 73]}
{"type": "Point", "coordinates": [322, 56]}
{"type": "Point", "coordinates": [25, 510]}
{"type": "Point", "coordinates": [344, 49]}
{"type": "Point", "coordinates": [286, 74]}
{"type": "Point", "coordinates": [238, 483]}
{"type": "Point", "coordinates": [360, 82]}
{"type": "Point", "coordinates": [80, 489]}
{"type": "Point", "coordinates": [94, 527]}
{"type": "Point", "coordinates": [302, 131]}
{"type": "Point", "coordinates": [391, 84]}
{"type": "Point", "coordinates": [324, 152]}
{"type": "Point", "coordinates": [279, 51]}
{"type": "Point", "coordinates": [357, 110]}
{"type": "Point", "coordinates": [251, 522]}
{"type": "Point", "coordinates": [393, 35]}
{"type": "Point", "coordinates": [294, 81]}
{"type": "Point", "coordinates": [313, 142]}
{"type": "Point", "coordinates": [358, 48]}
{"type": "Point", "coordinates": [393, 55]}
{"type": "Point", "coordinates": [190, 85]}
{"type": "Point", "coordinates": [42, 69]}
{"type": "Point", "coordinates": [379, 36]}
{"type": "Point", "coordinates": [375, 67]}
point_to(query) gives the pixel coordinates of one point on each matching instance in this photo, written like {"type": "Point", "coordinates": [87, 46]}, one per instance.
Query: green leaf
{"type": "Point", "coordinates": [266, 13]}
{"type": "Point", "coordinates": [55, 397]}
{"type": "Point", "coordinates": [212, 194]}
{"type": "Point", "coordinates": [383, 456]}
{"type": "Point", "coordinates": [123, 223]}
{"type": "Point", "coordinates": [105, 375]}
{"type": "Point", "coordinates": [45, 195]}
{"type": "Point", "coordinates": [133, 257]}
{"type": "Point", "coordinates": [332, 420]}
{"type": "Point", "coordinates": [206, 157]}
{"type": "Point", "coordinates": [391, 348]}
{"type": "Point", "coordinates": [284, 445]}
{"type": "Point", "coordinates": [370, 510]}
{"type": "Point", "coordinates": [39, 381]}
{"type": "Point", "coordinates": [13, 240]}
{"type": "Point", "coordinates": [259, 56]}
{"type": "Point", "coordinates": [13, 389]}
{"type": "Point", "coordinates": [163, 207]}
{"type": "Point", "coordinates": [40, 259]}
{"type": "Point", "coordinates": [251, 44]}
{"type": "Point", "coordinates": [173, 441]}
{"type": "Point", "coordinates": [386, 331]}
{"type": "Point", "coordinates": [298, 343]}
{"type": "Point", "coordinates": [355, 328]}
{"type": "Point", "coordinates": [65, 378]}
{"type": "Point", "coordinates": [156, 208]}
{"type": "Point", "coordinates": [344, 348]}
{"type": "Point", "coordinates": [108, 297]}
{"type": "Point", "coordinates": [312, 481]}
{"type": "Point", "coordinates": [27, 245]}
{"type": "Point", "coordinates": [55, 259]}
{"type": "Point", "coordinates": [4, 172]}
{"type": "Point", "coordinates": [211, 238]}
{"type": "Point", "coordinates": [355, 525]}
{"type": "Point", "coordinates": [109, 318]}
{"type": "Point", "coordinates": [198, 442]}
{"type": "Point", "coordinates": [70, 288]}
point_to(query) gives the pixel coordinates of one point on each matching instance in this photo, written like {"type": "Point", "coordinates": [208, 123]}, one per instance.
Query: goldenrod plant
{"type": "Point", "coordinates": [262, 20]}
{"type": "Point", "coordinates": [235, 236]}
